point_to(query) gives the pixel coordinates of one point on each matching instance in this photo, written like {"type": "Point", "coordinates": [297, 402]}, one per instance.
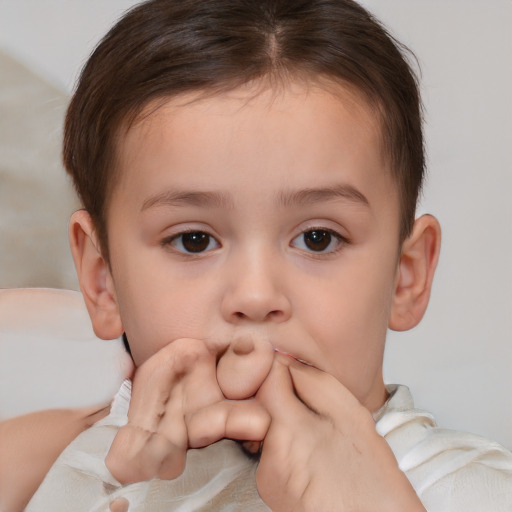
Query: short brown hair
{"type": "Point", "coordinates": [162, 48]}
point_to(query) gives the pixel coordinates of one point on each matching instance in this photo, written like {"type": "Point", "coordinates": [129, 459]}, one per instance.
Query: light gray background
{"type": "Point", "coordinates": [458, 362]}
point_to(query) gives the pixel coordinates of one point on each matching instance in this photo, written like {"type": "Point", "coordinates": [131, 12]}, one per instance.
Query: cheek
{"type": "Point", "coordinates": [357, 301]}
{"type": "Point", "coordinates": [157, 308]}
{"type": "Point", "coordinates": [350, 323]}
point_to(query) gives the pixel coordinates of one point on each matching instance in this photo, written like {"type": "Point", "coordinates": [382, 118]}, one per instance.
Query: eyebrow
{"type": "Point", "coordinates": [308, 196]}
{"type": "Point", "coordinates": [212, 199]}
{"type": "Point", "coordinates": [188, 198]}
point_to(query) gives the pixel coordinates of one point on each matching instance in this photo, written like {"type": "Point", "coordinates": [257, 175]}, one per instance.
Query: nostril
{"type": "Point", "coordinates": [274, 314]}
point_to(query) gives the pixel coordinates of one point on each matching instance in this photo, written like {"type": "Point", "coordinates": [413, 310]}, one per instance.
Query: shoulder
{"type": "Point", "coordinates": [463, 471]}
{"type": "Point", "coordinates": [30, 444]}
{"type": "Point", "coordinates": [450, 470]}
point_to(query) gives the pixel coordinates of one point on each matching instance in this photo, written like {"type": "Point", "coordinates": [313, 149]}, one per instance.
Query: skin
{"type": "Point", "coordinates": [259, 284]}
{"type": "Point", "coordinates": [30, 444]}
{"type": "Point", "coordinates": [256, 173]}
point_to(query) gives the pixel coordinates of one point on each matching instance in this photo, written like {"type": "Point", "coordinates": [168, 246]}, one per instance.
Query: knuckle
{"type": "Point", "coordinates": [187, 353]}
{"type": "Point", "coordinates": [173, 466]}
{"type": "Point", "coordinates": [180, 355]}
{"type": "Point", "coordinates": [206, 425]}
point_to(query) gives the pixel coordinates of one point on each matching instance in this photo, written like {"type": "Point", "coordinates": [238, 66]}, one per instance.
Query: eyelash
{"type": "Point", "coordinates": [207, 239]}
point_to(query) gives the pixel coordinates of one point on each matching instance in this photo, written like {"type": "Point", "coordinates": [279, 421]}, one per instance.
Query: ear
{"type": "Point", "coordinates": [95, 277]}
{"type": "Point", "coordinates": [418, 261]}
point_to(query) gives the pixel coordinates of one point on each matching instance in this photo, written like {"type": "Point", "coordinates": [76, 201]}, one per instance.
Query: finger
{"type": "Point", "coordinates": [246, 420]}
{"type": "Point", "coordinates": [243, 367]}
{"type": "Point", "coordinates": [155, 380]}
{"type": "Point", "coordinates": [137, 455]}
{"type": "Point", "coordinates": [322, 392]}
{"type": "Point", "coordinates": [277, 393]}
{"type": "Point", "coordinates": [200, 387]}
{"type": "Point", "coordinates": [197, 390]}
{"type": "Point", "coordinates": [292, 424]}
{"type": "Point", "coordinates": [154, 442]}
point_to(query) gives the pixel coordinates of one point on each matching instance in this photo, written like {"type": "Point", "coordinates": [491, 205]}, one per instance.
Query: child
{"type": "Point", "coordinates": [250, 172]}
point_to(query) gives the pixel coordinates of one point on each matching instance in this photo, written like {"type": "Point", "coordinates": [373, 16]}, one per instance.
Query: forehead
{"type": "Point", "coordinates": [315, 103]}
{"type": "Point", "coordinates": [253, 129]}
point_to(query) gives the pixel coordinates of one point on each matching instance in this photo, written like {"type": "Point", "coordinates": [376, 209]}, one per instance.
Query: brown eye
{"type": "Point", "coordinates": [317, 240]}
{"type": "Point", "coordinates": [196, 241]}
{"type": "Point", "coordinates": [193, 242]}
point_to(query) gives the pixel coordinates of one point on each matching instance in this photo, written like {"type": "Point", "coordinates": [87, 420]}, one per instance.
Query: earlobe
{"type": "Point", "coordinates": [418, 261]}
{"type": "Point", "coordinates": [95, 277]}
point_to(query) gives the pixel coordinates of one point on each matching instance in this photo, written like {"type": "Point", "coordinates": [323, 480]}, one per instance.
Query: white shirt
{"type": "Point", "coordinates": [451, 471]}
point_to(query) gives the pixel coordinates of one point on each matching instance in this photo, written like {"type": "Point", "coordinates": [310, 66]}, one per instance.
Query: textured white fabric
{"type": "Point", "coordinates": [451, 471]}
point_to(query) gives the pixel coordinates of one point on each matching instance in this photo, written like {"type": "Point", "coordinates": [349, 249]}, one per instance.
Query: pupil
{"type": "Point", "coordinates": [317, 240]}
{"type": "Point", "coordinates": [195, 241]}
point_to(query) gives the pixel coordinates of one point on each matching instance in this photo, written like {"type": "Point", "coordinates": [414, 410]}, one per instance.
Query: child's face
{"type": "Point", "coordinates": [271, 216]}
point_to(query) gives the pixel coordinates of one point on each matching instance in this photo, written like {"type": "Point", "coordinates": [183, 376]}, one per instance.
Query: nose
{"type": "Point", "coordinates": [255, 291]}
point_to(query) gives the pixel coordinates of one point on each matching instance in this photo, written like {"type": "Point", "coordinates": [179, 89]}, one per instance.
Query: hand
{"type": "Point", "coordinates": [322, 451]}
{"type": "Point", "coordinates": [177, 403]}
